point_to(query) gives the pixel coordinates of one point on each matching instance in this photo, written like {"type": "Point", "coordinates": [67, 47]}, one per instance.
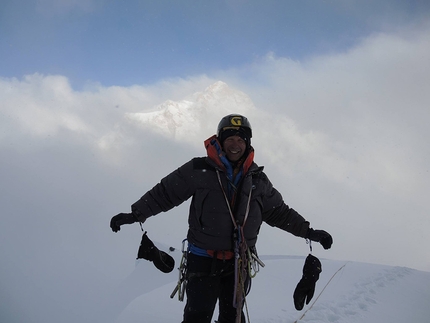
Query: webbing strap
{"type": "Point", "coordinates": [226, 199]}
{"type": "Point", "coordinates": [228, 202]}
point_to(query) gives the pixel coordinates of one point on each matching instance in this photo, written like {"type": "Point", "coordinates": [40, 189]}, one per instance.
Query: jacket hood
{"type": "Point", "coordinates": [215, 153]}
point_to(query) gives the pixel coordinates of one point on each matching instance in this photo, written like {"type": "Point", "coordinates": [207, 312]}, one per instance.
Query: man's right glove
{"type": "Point", "coordinates": [320, 236]}
{"type": "Point", "coordinates": [305, 289]}
{"type": "Point", "coordinates": [123, 218]}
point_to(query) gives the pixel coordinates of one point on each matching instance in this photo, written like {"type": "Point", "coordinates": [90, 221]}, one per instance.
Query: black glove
{"type": "Point", "coordinates": [162, 260]}
{"type": "Point", "coordinates": [320, 236]}
{"type": "Point", "coordinates": [120, 219]}
{"type": "Point", "coordinates": [306, 287]}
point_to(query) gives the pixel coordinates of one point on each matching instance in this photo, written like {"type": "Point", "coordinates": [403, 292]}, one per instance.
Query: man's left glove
{"type": "Point", "coordinates": [123, 218]}
{"type": "Point", "coordinates": [305, 289]}
{"type": "Point", "coordinates": [320, 236]}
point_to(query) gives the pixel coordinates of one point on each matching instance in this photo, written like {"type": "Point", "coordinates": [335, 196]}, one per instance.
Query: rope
{"type": "Point", "coordinates": [241, 247]}
{"type": "Point", "coordinates": [245, 303]}
{"type": "Point", "coordinates": [310, 307]}
{"type": "Point", "coordinates": [226, 200]}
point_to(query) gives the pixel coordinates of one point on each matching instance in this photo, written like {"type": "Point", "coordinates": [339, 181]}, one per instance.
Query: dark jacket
{"type": "Point", "coordinates": [210, 222]}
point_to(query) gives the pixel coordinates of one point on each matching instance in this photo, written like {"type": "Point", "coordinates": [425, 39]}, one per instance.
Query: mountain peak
{"type": "Point", "coordinates": [191, 117]}
{"type": "Point", "coordinates": [217, 86]}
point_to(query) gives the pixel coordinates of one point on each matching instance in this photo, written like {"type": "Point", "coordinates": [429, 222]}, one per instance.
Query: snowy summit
{"type": "Point", "coordinates": [186, 118]}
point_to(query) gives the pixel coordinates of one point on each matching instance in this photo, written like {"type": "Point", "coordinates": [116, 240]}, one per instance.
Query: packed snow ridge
{"type": "Point", "coordinates": [346, 292]}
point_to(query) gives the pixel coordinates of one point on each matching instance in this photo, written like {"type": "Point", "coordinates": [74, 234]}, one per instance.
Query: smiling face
{"type": "Point", "coordinates": [234, 148]}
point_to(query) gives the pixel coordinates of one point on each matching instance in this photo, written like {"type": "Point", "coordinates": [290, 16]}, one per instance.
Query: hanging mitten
{"type": "Point", "coordinates": [162, 260]}
{"type": "Point", "coordinates": [306, 287]}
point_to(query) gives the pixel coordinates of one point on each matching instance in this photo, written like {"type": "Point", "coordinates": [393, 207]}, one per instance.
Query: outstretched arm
{"type": "Point", "coordinates": [172, 190]}
{"type": "Point", "coordinates": [278, 214]}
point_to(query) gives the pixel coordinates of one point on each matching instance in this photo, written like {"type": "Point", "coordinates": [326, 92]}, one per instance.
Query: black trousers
{"type": "Point", "coordinates": [210, 280]}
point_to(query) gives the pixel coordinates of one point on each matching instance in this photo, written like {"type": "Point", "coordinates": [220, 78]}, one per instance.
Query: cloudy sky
{"type": "Point", "coordinates": [339, 94]}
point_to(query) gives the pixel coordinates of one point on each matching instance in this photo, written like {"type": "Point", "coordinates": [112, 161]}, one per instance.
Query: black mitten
{"type": "Point", "coordinates": [162, 260]}
{"type": "Point", "coordinates": [147, 249]}
{"type": "Point", "coordinates": [306, 287]}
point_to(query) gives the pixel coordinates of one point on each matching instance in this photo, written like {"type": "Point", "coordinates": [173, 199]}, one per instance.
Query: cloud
{"type": "Point", "coordinates": [40, 105]}
{"type": "Point", "coordinates": [368, 101]}
{"type": "Point", "coordinates": [343, 136]}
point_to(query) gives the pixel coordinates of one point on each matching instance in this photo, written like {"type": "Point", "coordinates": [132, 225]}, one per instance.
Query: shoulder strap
{"type": "Point", "coordinates": [228, 203]}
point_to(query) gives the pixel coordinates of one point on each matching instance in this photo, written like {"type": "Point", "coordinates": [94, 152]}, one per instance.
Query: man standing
{"type": "Point", "coordinates": [231, 197]}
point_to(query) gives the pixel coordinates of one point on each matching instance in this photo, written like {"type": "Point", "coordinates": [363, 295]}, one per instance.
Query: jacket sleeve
{"type": "Point", "coordinates": [278, 214]}
{"type": "Point", "coordinates": [174, 189]}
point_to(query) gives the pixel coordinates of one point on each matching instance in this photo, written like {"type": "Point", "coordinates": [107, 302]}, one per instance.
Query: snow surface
{"type": "Point", "coordinates": [346, 292]}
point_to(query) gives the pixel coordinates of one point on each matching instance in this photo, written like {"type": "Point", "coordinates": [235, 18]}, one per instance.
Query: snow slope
{"type": "Point", "coordinates": [346, 292]}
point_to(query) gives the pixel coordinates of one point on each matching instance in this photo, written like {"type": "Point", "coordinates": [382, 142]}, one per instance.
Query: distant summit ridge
{"type": "Point", "coordinates": [195, 114]}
